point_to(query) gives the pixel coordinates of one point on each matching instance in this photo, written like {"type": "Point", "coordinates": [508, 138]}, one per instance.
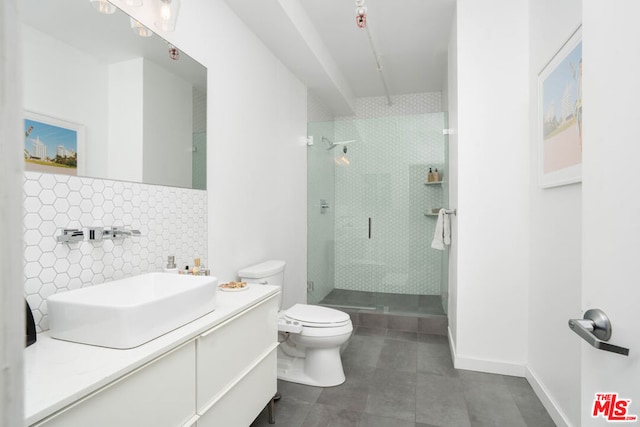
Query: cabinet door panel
{"type": "Point", "coordinates": [242, 404]}
{"type": "Point", "coordinates": [160, 393]}
{"type": "Point", "coordinates": [225, 352]}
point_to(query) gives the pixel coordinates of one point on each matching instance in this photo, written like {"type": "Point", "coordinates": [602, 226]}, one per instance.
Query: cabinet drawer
{"type": "Point", "coordinates": [246, 399]}
{"type": "Point", "coordinates": [225, 352]}
{"type": "Point", "coordinates": [160, 393]}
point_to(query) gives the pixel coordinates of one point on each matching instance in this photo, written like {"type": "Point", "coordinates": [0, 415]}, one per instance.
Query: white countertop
{"type": "Point", "coordinates": [58, 373]}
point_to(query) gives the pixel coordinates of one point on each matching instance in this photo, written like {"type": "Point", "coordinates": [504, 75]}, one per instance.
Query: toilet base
{"type": "Point", "coordinates": [321, 367]}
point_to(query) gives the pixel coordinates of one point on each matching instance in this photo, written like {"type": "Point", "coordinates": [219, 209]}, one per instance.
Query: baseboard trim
{"type": "Point", "coordinates": [483, 365]}
{"type": "Point", "coordinates": [548, 402]}
{"type": "Point", "coordinates": [512, 369]}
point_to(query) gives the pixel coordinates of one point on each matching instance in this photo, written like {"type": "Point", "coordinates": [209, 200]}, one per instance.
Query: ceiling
{"type": "Point", "coordinates": [411, 37]}
{"type": "Point", "coordinates": [318, 40]}
{"type": "Point", "coordinates": [107, 38]}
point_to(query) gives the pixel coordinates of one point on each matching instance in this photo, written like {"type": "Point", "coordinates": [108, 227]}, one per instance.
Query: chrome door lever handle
{"type": "Point", "coordinates": [595, 328]}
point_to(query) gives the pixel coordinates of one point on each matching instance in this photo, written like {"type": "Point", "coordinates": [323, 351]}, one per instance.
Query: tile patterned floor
{"type": "Point", "coordinates": [406, 379]}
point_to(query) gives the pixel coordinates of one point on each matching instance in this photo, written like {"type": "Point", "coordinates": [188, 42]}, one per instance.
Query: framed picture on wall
{"type": "Point", "coordinates": [52, 145]}
{"type": "Point", "coordinates": [560, 116]}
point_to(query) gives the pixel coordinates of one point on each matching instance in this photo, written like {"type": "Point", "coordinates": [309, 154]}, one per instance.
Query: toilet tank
{"type": "Point", "coordinates": [265, 273]}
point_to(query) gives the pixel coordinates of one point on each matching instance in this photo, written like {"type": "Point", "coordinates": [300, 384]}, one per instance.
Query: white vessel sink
{"type": "Point", "coordinates": [129, 312]}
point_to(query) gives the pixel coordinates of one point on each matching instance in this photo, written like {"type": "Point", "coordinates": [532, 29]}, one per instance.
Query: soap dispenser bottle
{"type": "Point", "coordinates": [197, 267]}
{"type": "Point", "coordinates": [430, 175]}
{"type": "Point", "coordinates": [171, 265]}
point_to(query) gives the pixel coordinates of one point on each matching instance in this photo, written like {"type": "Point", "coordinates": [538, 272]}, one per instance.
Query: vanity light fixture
{"type": "Point", "coordinates": [103, 6]}
{"type": "Point", "coordinates": [166, 20]}
{"type": "Point", "coordinates": [140, 29]}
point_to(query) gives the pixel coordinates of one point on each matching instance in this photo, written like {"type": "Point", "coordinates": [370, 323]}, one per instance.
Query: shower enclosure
{"type": "Point", "coordinates": [371, 214]}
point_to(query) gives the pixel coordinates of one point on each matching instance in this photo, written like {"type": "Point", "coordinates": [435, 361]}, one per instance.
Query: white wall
{"type": "Point", "coordinates": [125, 143]}
{"type": "Point", "coordinates": [256, 150]}
{"type": "Point", "coordinates": [11, 163]}
{"type": "Point", "coordinates": [168, 128]}
{"type": "Point", "coordinates": [556, 220]}
{"type": "Point", "coordinates": [150, 124]}
{"type": "Point", "coordinates": [493, 183]}
{"type": "Point", "coordinates": [58, 79]}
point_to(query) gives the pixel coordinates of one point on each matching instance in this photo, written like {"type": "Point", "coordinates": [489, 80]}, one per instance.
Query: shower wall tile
{"type": "Point", "coordinates": [384, 181]}
{"type": "Point", "coordinates": [402, 105]}
{"type": "Point", "coordinates": [172, 221]}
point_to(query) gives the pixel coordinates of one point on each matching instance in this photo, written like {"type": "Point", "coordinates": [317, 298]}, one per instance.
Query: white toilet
{"type": "Point", "coordinates": [311, 352]}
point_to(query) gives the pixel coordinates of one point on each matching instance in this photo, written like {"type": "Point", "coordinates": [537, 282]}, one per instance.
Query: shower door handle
{"type": "Point", "coordinates": [595, 328]}
{"type": "Point", "coordinates": [369, 227]}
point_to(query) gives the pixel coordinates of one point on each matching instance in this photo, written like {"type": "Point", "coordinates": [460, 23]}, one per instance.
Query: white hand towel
{"type": "Point", "coordinates": [442, 234]}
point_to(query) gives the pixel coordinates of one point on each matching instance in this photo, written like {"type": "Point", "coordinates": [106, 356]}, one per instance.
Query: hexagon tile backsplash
{"type": "Point", "coordinates": [172, 221]}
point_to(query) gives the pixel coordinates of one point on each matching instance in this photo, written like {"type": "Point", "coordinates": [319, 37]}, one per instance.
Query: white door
{"type": "Point", "coordinates": [611, 205]}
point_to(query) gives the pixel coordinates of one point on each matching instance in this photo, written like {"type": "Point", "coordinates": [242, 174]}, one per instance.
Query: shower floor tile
{"type": "Point", "coordinates": [380, 302]}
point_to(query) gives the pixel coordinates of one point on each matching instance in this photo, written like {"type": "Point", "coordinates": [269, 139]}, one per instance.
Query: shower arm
{"type": "Point", "coordinates": [333, 145]}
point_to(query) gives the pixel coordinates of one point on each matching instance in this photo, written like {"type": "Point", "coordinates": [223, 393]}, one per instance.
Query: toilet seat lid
{"type": "Point", "coordinates": [315, 314]}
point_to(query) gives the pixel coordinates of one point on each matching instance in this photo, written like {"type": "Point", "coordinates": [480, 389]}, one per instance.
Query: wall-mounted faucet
{"type": "Point", "coordinates": [115, 233]}
{"type": "Point", "coordinates": [95, 234]}
{"type": "Point", "coordinates": [71, 235]}
{"type": "Point", "coordinates": [324, 205]}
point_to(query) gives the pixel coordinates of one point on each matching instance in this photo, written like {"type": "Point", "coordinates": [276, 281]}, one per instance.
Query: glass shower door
{"type": "Point", "coordinates": [373, 241]}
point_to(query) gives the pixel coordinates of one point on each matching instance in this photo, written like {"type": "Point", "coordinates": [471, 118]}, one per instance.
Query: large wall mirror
{"type": "Point", "coordinates": [138, 112]}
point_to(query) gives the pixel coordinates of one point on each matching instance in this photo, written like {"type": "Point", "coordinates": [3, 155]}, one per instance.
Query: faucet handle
{"type": "Point", "coordinates": [119, 233]}
{"type": "Point", "coordinates": [95, 234]}
{"type": "Point", "coordinates": [70, 235]}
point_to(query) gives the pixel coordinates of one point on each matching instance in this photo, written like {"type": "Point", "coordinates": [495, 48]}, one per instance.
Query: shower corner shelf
{"type": "Point", "coordinates": [434, 183]}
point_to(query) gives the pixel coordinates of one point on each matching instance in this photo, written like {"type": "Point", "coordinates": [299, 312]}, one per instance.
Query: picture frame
{"type": "Point", "coordinates": [52, 145]}
{"type": "Point", "coordinates": [559, 121]}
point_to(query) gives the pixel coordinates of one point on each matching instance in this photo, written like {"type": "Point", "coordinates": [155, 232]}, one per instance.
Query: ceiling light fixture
{"type": "Point", "coordinates": [361, 14]}
{"type": "Point", "coordinates": [140, 29]}
{"type": "Point", "coordinates": [168, 16]}
{"type": "Point", "coordinates": [103, 6]}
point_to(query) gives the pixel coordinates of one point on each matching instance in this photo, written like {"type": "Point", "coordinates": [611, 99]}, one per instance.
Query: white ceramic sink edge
{"type": "Point", "coordinates": [129, 312]}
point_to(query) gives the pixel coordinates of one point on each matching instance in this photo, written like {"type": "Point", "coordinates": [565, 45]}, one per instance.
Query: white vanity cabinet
{"type": "Point", "coordinates": [160, 393]}
{"type": "Point", "coordinates": [220, 370]}
{"type": "Point", "coordinates": [236, 364]}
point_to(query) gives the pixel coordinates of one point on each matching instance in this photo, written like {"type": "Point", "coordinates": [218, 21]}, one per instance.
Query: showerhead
{"type": "Point", "coordinates": [333, 145]}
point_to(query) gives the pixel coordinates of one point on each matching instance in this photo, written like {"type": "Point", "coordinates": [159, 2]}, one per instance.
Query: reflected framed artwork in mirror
{"type": "Point", "coordinates": [142, 108]}
{"type": "Point", "coordinates": [52, 145]}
